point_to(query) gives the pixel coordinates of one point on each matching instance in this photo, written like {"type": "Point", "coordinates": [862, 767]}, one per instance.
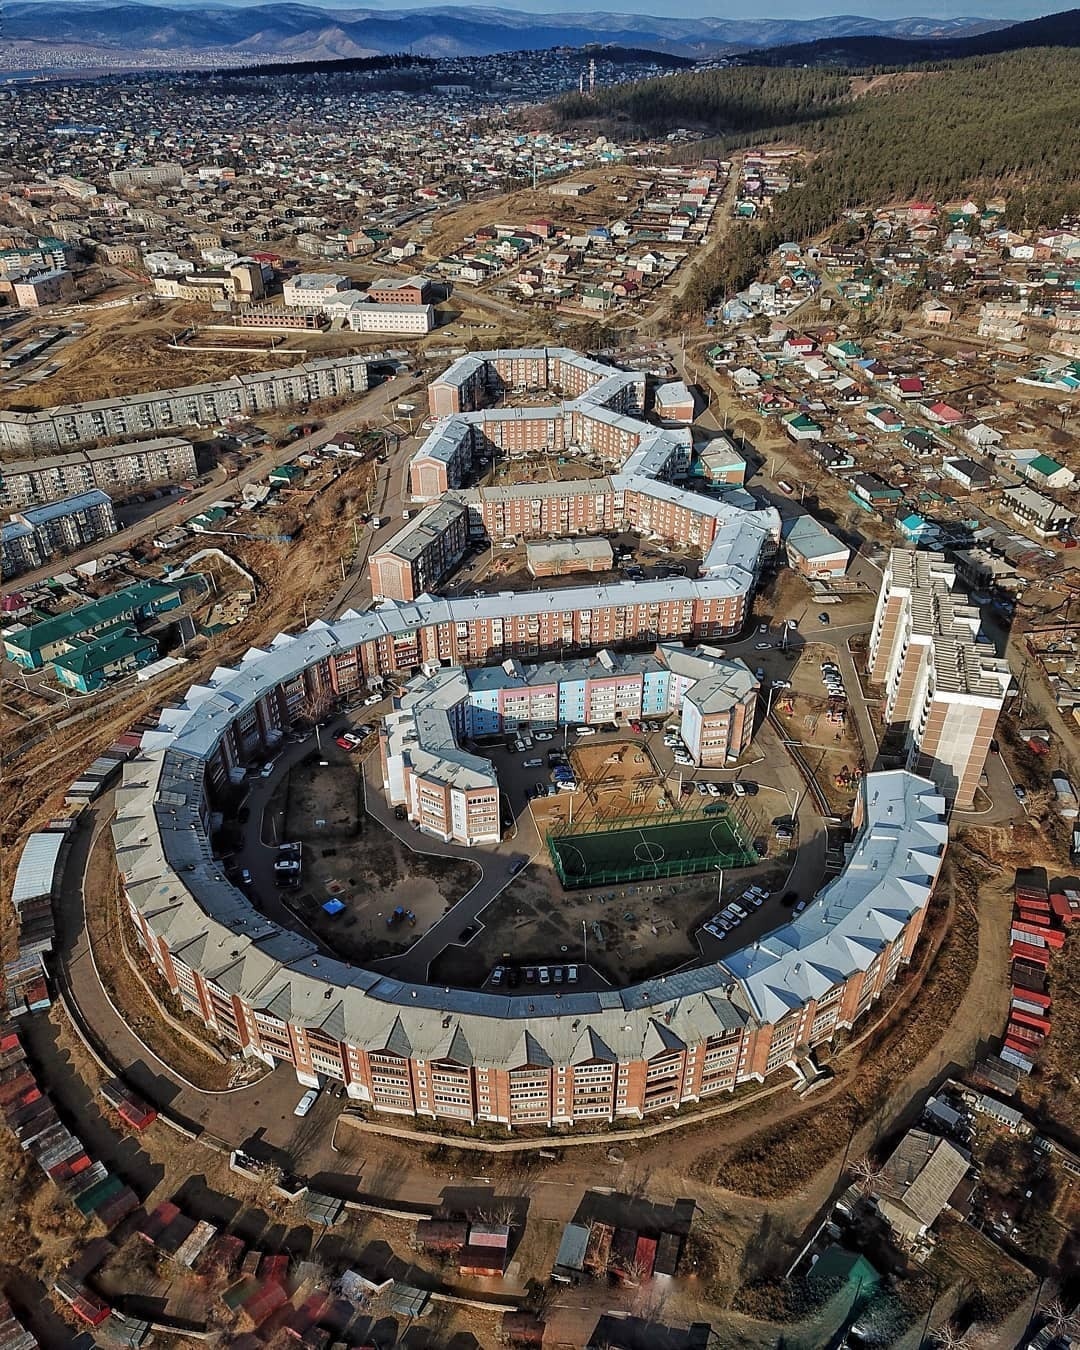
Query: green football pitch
{"type": "Point", "coordinates": [634, 852]}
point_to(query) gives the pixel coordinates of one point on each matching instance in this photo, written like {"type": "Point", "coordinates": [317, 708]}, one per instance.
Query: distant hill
{"type": "Point", "coordinates": [313, 32]}
{"type": "Point", "coordinates": [1052, 30]}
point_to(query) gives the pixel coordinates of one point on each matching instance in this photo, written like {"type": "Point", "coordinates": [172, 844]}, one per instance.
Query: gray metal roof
{"type": "Point", "coordinates": [36, 871]}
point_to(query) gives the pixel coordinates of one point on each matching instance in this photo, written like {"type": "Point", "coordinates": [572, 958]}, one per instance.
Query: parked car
{"type": "Point", "coordinates": [762, 646]}
{"type": "Point", "coordinates": [497, 976]}
{"type": "Point", "coordinates": [545, 975]}
{"type": "Point", "coordinates": [584, 731]}
{"type": "Point", "coordinates": [517, 865]}
{"type": "Point", "coordinates": [345, 745]}
{"type": "Point", "coordinates": [533, 764]}
{"type": "Point", "coordinates": [267, 769]}
{"type": "Point", "coordinates": [306, 1102]}
{"type": "Point", "coordinates": [703, 789]}
{"type": "Point", "coordinates": [738, 789]}
{"type": "Point", "coordinates": [284, 865]}
{"type": "Point", "coordinates": [713, 789]}
{"type": "Point", "coordinates": [824, 619]}
{"type": "Point", "coordinates": [544, 735]}
{"type": "Point", "coordinates": [571, 974]}
{"type": "Point", "coordinates": [400, 813]}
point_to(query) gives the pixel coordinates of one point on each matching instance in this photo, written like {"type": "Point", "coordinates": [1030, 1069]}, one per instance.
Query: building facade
{"type": "Point", "coordinates": [478, 1058]}
{"type": "Point", "coordinates": [944, 687]}
{"type": "Point", "coordinates": [33, 482]}
{"type": "Point", "coordinates": [417, 558]}
{"type": "Point", "coordinates": [38, 533]}
{"type": "Point", "coordinates": [454, 795]}
{"type": "Point", "coordinates": [75, 424]}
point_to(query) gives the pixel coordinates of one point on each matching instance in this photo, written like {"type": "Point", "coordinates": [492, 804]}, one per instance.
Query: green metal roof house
{"type": "Point", "coordinates": [36, 645]}
{"type": "Point", "coordinates": [106, 657]}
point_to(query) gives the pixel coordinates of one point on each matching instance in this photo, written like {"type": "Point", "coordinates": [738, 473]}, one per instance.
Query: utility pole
{"type": "Point", "coordinates": [585, 935]}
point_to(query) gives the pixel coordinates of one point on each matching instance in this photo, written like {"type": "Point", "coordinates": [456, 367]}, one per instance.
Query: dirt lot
{"type": "Point", "coordinates": [634, 931]}
{"type": "Point", "coordinates": [349, 856]}
{"type": "Point", "coordinates": [125, 350]}
{"type": "Point", "coordinates": [830, 746]}
{"type": "Point", "coordinates": [598, 207]}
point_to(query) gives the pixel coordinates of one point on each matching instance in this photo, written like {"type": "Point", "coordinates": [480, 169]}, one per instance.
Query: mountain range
{"type": "Point", "coordinates": [1052, 30]}
{"type": "Point", "coordinates": [310, 32]}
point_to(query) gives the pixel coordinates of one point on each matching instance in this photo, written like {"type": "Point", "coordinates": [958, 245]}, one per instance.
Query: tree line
{"type": "Point", "coordinates": [988, 123]}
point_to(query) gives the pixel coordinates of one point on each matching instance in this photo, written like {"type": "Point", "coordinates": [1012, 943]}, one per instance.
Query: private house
{"type": "Point", "coordinates": [917, 1182]}
{"type": "Point", "coordinates": [885, 418]}
{"type": "Point", "coordinates": [967, 473]}
{"type": "Point", "coordinates": [1045, 472]}
{"type": "Point", "coordinates": [802, 428]}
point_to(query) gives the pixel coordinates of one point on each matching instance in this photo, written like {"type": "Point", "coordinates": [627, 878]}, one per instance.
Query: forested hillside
{"type": "Point", "coordinates": [1003, 122]}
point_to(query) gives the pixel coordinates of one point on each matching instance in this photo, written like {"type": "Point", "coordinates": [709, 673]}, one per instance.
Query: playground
{"type": "Point", "coordinates": [629, 849]}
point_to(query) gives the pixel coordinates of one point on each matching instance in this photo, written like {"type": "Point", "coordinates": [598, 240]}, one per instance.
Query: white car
{"type": "Point", "coordinates": [372, 699]}
{"type": "Point", "coordinates": [738, 789]}
{"type": "Point", "coordinates": [714, 930]}
{"type": "Point", "coordinates": [681, 757]}
{"type": "Point", "coordinates": [584, 731]}
{"type": "Point", "coordinates": [306, 1102]}
{"type": "Point", "coordinates": [571, 974]}
{"type": "Point", "coordinates": [267, 769]}
{"type": "Point", "coordinates": [533, 764]}
{"type": "Point", "coordinates": [713, 789]}
{"type": "Point", "coordinates": [762, 646]}
{"type": "Point", "coordinates": [781, 684]}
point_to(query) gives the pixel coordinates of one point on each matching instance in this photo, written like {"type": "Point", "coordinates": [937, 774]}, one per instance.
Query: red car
{"type": "Point", "coordinates": [345, 745]}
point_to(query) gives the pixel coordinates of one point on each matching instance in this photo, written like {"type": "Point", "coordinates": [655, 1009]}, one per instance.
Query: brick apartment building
{"type": "Point", "coordinates": [417, 558]}
{"type": "Point", "coordinates": [450, 793]}
{"type": "Point", "coordinates": [478, 1058]}
{"type": "Point", "coordinates": [943, 687]}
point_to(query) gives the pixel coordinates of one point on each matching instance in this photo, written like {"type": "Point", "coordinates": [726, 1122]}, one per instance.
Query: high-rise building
{"type": "Point", "coordinates": [943, 686]}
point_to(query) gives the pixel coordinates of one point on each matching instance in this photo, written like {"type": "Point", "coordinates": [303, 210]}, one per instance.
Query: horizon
{"type": "Point", "coordinates": [1011, 11]}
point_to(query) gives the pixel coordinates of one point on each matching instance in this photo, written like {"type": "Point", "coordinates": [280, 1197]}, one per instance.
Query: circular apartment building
{"type": "Point", "coordinates": [528, 1058]}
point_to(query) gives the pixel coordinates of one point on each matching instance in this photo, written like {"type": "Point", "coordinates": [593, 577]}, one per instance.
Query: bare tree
{"type": "Point", "coordinates": [948, 1339]}
{"type": "Point", "coordinates": [865, 1175]}
{"type": "Point", "coordinates": [316, 703]}
{"type": "Point", "coordinates": [1059, 1319]}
